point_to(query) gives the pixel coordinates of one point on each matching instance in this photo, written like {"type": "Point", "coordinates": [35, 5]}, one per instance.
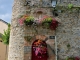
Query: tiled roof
{"type": "Point", "coordinates": [4, 21]}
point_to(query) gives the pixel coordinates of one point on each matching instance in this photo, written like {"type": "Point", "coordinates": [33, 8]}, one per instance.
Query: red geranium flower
{"type": "Point", "coordinates": [53, 24]}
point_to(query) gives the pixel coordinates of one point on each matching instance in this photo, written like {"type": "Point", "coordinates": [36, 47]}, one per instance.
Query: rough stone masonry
{"type": "Point", "coordinates": [67, 33]}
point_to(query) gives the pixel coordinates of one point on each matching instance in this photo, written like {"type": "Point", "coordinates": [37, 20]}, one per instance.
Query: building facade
{"type": "Point", "coordinates": [3, 47]}
{"type": "Point", "coordinates": [67, 33]}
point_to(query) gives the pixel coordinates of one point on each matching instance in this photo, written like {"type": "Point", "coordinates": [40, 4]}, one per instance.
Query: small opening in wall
{"type": "Point", "coordinates": [54, 13]}
{"type": "Point", "coordinates": [39, 12]}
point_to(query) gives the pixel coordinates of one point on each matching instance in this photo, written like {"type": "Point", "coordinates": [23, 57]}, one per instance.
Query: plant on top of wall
{"type": "Point", "coordinates": [46, 21]}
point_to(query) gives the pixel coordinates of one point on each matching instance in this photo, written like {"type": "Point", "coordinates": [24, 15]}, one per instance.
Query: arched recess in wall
{"type": "Point", "coordinates": [39, 13]}
{"type": "Point", "coordinates": [39, 50]}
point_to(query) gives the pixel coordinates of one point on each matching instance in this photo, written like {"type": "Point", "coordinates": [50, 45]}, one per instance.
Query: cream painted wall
{"type": "Point", "coordinates": [3, 26]}
{"type": "Point", "coordinates": [3, 53]}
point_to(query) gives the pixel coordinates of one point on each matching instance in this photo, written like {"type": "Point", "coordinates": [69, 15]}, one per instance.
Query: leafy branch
{"type": "Point", "coordinates": [6, 35]}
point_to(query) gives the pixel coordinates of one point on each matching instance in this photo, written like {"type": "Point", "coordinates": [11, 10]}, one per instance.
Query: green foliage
{"type": "Point", "coordinates": [1, 36]}
{"type": "Point", "coordinates": [70, 58]}
{"type": "Point", "coordinates": [68, 46]}
{"type": "Point", "coordinates": [48, 19]}
{"type": "Point", "coordinates": [6, 35]}
{"type": "Point", "coordinates": [28, 38]}
{"type": "Point", "coordinates": [29, 19]}
{"type": "Point", "coordinates": [70, 6]}
{"type": "Point", "coordinates": [46, 22]}
{"type": "Point", "coordinates": [46, 25]}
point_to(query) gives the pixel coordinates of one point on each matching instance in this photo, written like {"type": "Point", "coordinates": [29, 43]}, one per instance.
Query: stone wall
{"type": "Point", "coordinates": [3, 51]}
{"type": "Point", "coordinates": [66, 2]}
{"type": "Point", "coordinates": [18, 33]}
{"type": "Point", "coordinates": [67, 32]}
{"type": "Point", "coordinates": [16, 46]}
{"type": "Point", "coordinates": [68, 37]}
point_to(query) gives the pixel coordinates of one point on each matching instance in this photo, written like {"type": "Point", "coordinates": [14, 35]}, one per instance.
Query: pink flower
{"type": "Point", "coordinates": [21, 21]}
{"type": "Point", "coordinates": [38, 50]}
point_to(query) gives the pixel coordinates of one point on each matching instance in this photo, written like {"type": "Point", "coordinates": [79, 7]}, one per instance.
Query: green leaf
{"type": "Point", "coordinates": [29, 19]}
{"type": "Point", "coordinates": [6, 35]}
{"type": "Point", "coordinates": [70, 6]}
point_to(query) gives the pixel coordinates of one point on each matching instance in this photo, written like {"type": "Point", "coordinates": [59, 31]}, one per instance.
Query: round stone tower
{"type": "Point", "coordinates": [16, 46]}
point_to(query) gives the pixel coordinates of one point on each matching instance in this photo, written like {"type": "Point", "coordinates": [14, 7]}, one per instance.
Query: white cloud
{"type": "Point", "coordinates": [6, 17]}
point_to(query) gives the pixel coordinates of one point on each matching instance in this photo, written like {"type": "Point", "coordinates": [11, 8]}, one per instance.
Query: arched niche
{"type": "Point", "coordinates": [39, 50]}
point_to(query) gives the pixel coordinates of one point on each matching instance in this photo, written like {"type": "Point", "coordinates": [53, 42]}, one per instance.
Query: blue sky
{"type": "Point", "coordinates": [6, 10]}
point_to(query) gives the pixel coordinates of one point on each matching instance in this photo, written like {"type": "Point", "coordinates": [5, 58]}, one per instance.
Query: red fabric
{"type": "Point", "coordinates": [39, 56]}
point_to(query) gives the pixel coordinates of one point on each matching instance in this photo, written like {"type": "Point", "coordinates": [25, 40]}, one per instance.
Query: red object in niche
{"type": "Point", "coordinates": [39, 50]}
{"type": "Point", "coordinates": [54, 24]}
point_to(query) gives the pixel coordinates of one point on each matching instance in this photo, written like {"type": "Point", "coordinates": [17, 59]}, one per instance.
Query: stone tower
{"type": "Point", "coordinates": [67, 33]}
{"type": "Point", "coordinates": [33, 8]}
{"type": "Point", "coordinates": [16, 46]}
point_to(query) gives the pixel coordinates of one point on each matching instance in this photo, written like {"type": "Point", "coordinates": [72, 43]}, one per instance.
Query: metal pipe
{"type": "Point", "coordinates": [56, 47]}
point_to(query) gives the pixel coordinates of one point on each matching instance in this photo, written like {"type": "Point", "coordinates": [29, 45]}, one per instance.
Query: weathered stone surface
{"type": "Point", "coordinates": [16, 46]}
{"type": "Point", "coordinates": [66, 33]}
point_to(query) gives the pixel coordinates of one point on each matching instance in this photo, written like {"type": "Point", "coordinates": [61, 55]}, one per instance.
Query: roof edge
{"type": "Point", "coordinates": [4, 21]}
